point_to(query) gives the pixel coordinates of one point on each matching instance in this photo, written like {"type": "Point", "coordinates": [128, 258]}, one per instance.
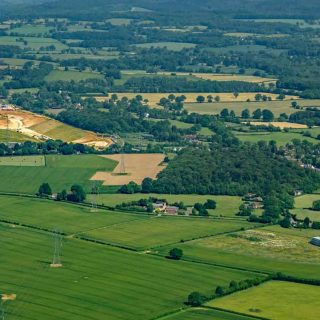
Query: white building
{"type": "Point", "coordinates": [315, 241]}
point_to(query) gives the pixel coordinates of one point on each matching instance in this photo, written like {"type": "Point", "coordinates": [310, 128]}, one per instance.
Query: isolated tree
{"type": "Point", "coordinates": [281, 96]}
{"type": "Point", "coordinates": [217, 98]}
{"type": "Point", "coordinates": [209, 98]}
{"type": "Point", "coordinates": [232, 114]}
{"type": "Point", "coordinates": [306, 222]}
{"type": "Point", "coordinates": [200, 99]}
{"type": "Point", "coordinates": [77, 194]}
{"type": "Point", "coordinates": [267, 115]}
{"type": "Point", "coordinates": [210, 204]}
{"type": "Point", "coordinates": [45, 190]}
{"type": "Point", "coordinates": [171, 97]}
{"type": "Point", "coordinates": [258, 97]}
{"type": "Point", "coordinates": [236, 94]}
{"type": "Point", "coordinates": [224, 113]}
{"type": "Point", "coordinates": [257, 114]}
{"type": "Point", "coordinates": [175, 254]}
{"type": "Point", "coordinates": [245, 114]}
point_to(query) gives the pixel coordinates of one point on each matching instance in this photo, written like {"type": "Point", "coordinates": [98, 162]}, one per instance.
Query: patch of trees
{"type": "Point", "coordinates": [309, 117]}
{"type": "Point", "coordinates": [182, 84]}
{"type": "Point", "coordinates": [47, 147]}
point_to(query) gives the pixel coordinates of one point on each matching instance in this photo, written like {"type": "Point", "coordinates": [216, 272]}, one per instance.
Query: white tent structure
{"type": "Point", "coordinates": [315, 241]}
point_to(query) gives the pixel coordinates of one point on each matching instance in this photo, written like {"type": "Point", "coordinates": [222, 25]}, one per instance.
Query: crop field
{"type": "Point", "coordinates": [268, 249]}
{"type": "Point", "coordinates": [50, 215]}
{"type": "Point", "coordinates": [119, 21]}
{"type": "Point", "coordinates": [277, 107]}
{"type": "Point", "coordinates": [206, 314]}
{"type": "Point", "coordinates": [61, 172]}
{"type": "Point", "coordinates": [275, 300]}
{"type": "Point", "coordinates": [23, 161]}
{"type": "Point", "coordinates": [174, 46]}
{"type": "Point", "coordinates": [282, 138]}
{"type": "Point", "coordinates": [303, 204]}
{"type": "Point", "coordinates": [281, 125]}
{"type": "Point", "coordinates": [32, 42]}
{"type": "Point", "coordinates": [61, 75]}
{"type": "Point", "coordinates": [227, 206]}
{"type": "Point", "coordinates": [159, 231]}
{"type": "Point", "coordinates": [96, 280]}
{"type": "Point", "coordinates": [131, 167]}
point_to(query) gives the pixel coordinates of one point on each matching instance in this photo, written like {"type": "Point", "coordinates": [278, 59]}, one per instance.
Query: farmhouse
{"type": "Point", "coordinates": [159, 206]}
{"type": "Point", "coordinates": [315, 241]}
{"type": "Point", "coordinates": [172, 210]}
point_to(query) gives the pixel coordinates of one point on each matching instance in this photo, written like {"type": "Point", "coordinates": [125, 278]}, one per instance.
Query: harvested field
{"type": "Point", "coordinates": [154, 98]}
{"type": "Point", "coordinates": [131, 167]}
{"type": "Point", "coordinates": [43, 128]}
{"type": "Point", "coordinates": [281, 125]}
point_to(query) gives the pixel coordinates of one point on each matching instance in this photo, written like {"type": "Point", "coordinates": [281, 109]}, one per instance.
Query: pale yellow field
{"type": "Point", "coordinates": [154, 98]}
{"type": "Point", "coordinates": [131, 167]}
{"type": "Point", "coordinates": [246, 35]}
{"type": "Point", "coordinates": [281, 125]}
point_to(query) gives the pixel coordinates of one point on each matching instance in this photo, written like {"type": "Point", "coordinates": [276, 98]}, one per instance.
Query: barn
{"type": "Point", "coordinates": [315, 241]}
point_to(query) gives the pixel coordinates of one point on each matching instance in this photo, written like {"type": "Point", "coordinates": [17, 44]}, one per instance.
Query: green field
{"type": "Point", "coordinates": [275, 300]}
{"type": "Point", "coordinates": [31, 30]}
{"type": "Point", "coordinates": [282, 138]}
{"type": "Point", "coordinates": [60, 75]}
{"type": "Point", "coordinates": [268, 249]}
{"type": "Point", "coordinates": [156, 231]}
{"type": "Point", "coordinates": [60, 172]}
{"type": "Point", "coordinates": [277, 107]}
{"type": "Point", "coordinates": [13, 136]}
{"type": "Point", "coordinates": [174, 46]}
{"type": "Point", "coordinates": [244, 49]}
{"type": "Point", "coordinates": [96, 280]}
{"type": "Point", "coordinates": [227, 206]}
{"type": "Point", "coordinates": [32, 42]}
{"type": "Point", "coordinates": [50, 215]}
{"type": "Point", "coordinates": [206, 314]}
{"type": "Point", "coordinates": [21, 161]}
{"type": "Point", "coordinates": [303, 204]}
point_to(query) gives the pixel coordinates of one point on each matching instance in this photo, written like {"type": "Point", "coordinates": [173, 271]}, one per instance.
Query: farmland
{"type": "Point", "coordinates": [95, 280]}
{"type": "Point", "coordinates": [131, 167]}
{"type": "Point", "coordinates": [174, 46]}
{"type": "Point", "coordinates": [153, 232]}
{"type": "Point", "coordinates": [60, 172]}
{"type": "Point", "coordinates": [277, 107]}
{"type": "Point", "coordinates": [207, 108]}
{"type": "Point", "coordinates": [28, 161]}
{"type": "Point", "coordinates": [13, 136]}
{"type": "Point", "coordinates": [31, 42]}
{"type": "Point", "coordinates": [303, 205]}
{"type": "Point", "coordinates": [268, 249]}
{"type": "Point", "coordinates": [283, 298]}
{"type": "Point", "coordinates": [57, 75]}
{"type": "Point", "coordinates": [206, 314]}
{"type": "Point", "coordinates": [282, 138]}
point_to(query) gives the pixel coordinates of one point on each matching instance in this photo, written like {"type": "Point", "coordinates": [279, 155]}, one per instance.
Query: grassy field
{"type": "Point", "coordinates": [23, 161]}
{"type": "Point", "coordinates": [60, 172]}
{"type": "Point", "coordinates": [227, 206]}
{"type": "Point", "coordinates": [244, 49]}
{"type": "Point", "coordinates": [303, 205]}
{"type": "Point", "coordinates": [206, 314]}
{"type": "Point", "coordinates": [174, 46]}
{"type": "Point", "coordinates": [269, 249]}
{"type": "Point", "coordinates": [32, 42]}
{"type": "Point", "coordinates": [66, 217]}
{"type": "Point", "coordinates": [57, 75]}
{"type": "Point", "coordinates": [282, 138]}
{"type": "Point", "coordinates": [96, 281]}
{"type": "Point", "coordinates": [275, 300]}
{"type": "Point", "coordinates": [31, 30]}
{"type": "Point", "coordinates": [13, 136]}
{"type": "Point", "coordinates": [277, 107]}
{"type": "Point", "coordinates": [159, 231]}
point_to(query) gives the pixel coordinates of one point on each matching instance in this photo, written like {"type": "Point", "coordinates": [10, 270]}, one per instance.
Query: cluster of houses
{"type": "Point", "coordinates": [162, 207]}
{"type": "Point", "coordinates": [253, 201]}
